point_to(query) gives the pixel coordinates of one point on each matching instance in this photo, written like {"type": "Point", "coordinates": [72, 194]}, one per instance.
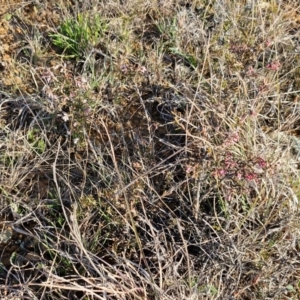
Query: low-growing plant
{"type": "Point", "coordinates": [37, 143]}
{"type": "Point", "coordinates": [76, 36]}
{"type": "Point", "coordinates": [190, 59]}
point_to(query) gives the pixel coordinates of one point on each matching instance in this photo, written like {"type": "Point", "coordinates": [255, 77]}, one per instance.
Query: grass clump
{"type": "Point", "coordinates": [77, 36]}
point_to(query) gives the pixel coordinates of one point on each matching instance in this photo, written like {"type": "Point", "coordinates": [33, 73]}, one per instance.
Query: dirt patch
{"type": "Point", "coordinates": [7, 6]}
{"type": "Point", "coordinates": [20, 23]}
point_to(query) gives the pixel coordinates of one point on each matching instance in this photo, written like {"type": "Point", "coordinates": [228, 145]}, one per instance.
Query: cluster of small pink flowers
{"type": "Point", "coordinates": [251, 72]}
{"type": "Point", "coordinates": [231, 139]}
{"type": "Point", "coordinates": [274, 66]}
{"type": "Point", "coordinates": [251, 176]}
{"type": "Point", "coordinates": [264, 86]}
{"type": "Point", "coordinates": [49, 93]}
{"type": "Point", "coordinates": [47, 75]}
{"type": "Point", "coordinates": [268, 43]}
{"type": "Point", "coordinates": [220, 173]}
{"type": "Point", "coordinates": [142, 69]}
{"type": "Point", "coordinates": [240, 170]}
{"type": "Point", "coordinates": [238, 48]}
{"type": "Point", "coordinates": [229, 162]}
{"type": "Point", "coordinates": [261, 162]}
{"type": "Point", "coordinates": [243, 173]}
{"type": "Point", "coordinates": [189, 169]}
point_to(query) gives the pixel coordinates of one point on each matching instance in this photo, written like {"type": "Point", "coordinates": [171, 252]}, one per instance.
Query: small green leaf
{"type": "Point", "coordinates": [290, 288]}
{"type": "Point", "coordinates": [8, 17]}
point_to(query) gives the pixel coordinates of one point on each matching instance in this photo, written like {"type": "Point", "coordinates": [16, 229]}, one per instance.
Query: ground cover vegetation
{"type": "Point", "coordinates": [149, 149]}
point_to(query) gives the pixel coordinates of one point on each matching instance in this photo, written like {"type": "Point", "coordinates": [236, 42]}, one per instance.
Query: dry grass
{"type": "Point", "coordinates": [159, 160]}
